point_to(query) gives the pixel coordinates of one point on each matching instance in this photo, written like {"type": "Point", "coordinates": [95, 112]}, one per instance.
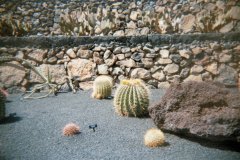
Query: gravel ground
{"type": "Point", "coordinates": [37, 133]}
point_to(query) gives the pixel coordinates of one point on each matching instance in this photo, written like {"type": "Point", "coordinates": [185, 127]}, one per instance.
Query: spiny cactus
{"type": "Point", "coordinates": [2, 104]}
{"type": "Point", "coordinates": [154, 137]}
{"type": "Point", "coordinates": [132, 98]}
{"type": "Point", "coordinates": [102, 87]}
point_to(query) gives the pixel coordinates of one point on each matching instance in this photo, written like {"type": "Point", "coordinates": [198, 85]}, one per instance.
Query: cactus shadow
{"type": "Point", "coordinates": [11, 118]}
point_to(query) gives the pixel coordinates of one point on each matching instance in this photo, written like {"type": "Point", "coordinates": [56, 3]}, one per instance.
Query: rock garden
{"type": "Point", "coordinates": [120, 79]}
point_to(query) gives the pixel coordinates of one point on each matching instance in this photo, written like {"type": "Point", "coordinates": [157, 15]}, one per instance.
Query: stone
{"type": "Point", "coordinates": [137, 56]}
{"type": "Point", "coordinates": [227, 28]}
{"type": "Point", "coordinates": [173, 79]}
{"type": "Point", "coordinates": [185, 53]}
{"type": "Point", "coordinates": [196, 69]}
{"type": "Point", "coordinates": [176, 58]}
{"type": "Point", "coordinates": [164, 53]}
{"type": "Point", "coordinates": [117, 50]}
{"type": "Point", "coordinates": [197, 78]}
{"type": "Point", "coordinates": [159, 75]}
{"type": "Point", "coordinates": [184, 72]}
{"type": "Point", "coordinates": [52, 60]}
{"type": "Point", "coordinates": [120, 56]}
{"type": "Point", "coordinates": [163, 85]}
{"type": "Point", "coordinates": [117, 71]}
{"type": "Point", "coordinates": [234, 13]}
{"type": "Point", "coordinates": [86, 85]}
{"type": "Point", "coordinates": [131, 25]}
{"type": "Point", "coordinates": [134, 15]}
{"type": "Point", "coordinates": [187, 23]}
{"type": "Point", "coordinates": [126, 63]}
{"type": "Point", "coordinates": [227, 75]}
{"type": "Point", "coordinates": [132, 32]}
{"type": "Point", "coordinates": [81, 67]}
{"type": "Point", "coordinates": [97, 58]}
{"type": "Point", "coordinates": [60, 55]}
{"type": "Point", "coordinates": [206, 76]}
{"type": "Point", "coordinates": [126, 50]}
{"type": "Point", "coordinates": [144, 31]}
{"type": "Point", "coordinates": [102, 69]}
{"type": "Point", "coordinates": [224, 56]}
{"type": "Point", "coordinates": [164, 61]}
{"type": "Point", "coordinates": [111, 60]}
{"type": "Point", "coordinates": [12, 74]}
{"type": "Point", "coordinates": [107, 54]}
{"type": "Point", "coordinates": [148, 62]}
{"type": "Point", "coordinates": [196, 50]}
{"type": "Point", "coordinates": [140, 73]}
{"type": "Point", "coordinates": [85, 54]}
{"type": "Point", "coordinates": [56, 71]}
{"type": "Point", "coordinates": [71, 53]}
{"type": "Point", "coordinates": [151, 55]}
{"type": "Point", "coordinates": [119, 33]}
{"type": "Point", "coordinates": [38, 55]}
{"type": "Point", "coordinates": [199, 109]}
{"type": "Point", "coordinates": [212, 68]}
{"type": "Point", "coordinates": [148, 50]}
{"type": "Point", "coordinates": [99, 48]}
{"type": "Point", "coordinates": [171, 68]}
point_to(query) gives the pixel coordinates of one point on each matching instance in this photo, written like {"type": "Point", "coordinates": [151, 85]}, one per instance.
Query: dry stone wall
{"type": "Point", "coordinates": [158, 65]}
{"type": "Point", "coordinates": [117, 18]}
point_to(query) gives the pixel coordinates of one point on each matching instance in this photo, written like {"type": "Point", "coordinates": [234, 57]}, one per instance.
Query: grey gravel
{"type": "Point", "coordinates": [38, 133]}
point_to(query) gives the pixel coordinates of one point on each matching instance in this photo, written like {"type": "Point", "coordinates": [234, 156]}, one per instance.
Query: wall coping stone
{"type": "Point", "coordinates": [155, 39]}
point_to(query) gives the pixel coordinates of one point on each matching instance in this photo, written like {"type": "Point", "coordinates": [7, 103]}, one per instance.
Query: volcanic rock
{"type": "Point", "coordinates": [199, 109]}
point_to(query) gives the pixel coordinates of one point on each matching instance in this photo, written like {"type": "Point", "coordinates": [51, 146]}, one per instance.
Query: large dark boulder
{"type": "Point", "coordinates": [199, 109]}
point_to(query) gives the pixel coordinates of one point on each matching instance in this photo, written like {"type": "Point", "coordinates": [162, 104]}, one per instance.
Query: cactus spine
{"type": "Point", "coordinates": [2, 105]}
{"type": "Point", "coordinates": [132, 98]}
{"type": "Point", "coordinates": [102, 87]}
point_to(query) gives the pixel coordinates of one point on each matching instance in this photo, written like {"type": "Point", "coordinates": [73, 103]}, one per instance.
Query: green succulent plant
{"type": "Point", "coordinates": [102, 87]}
{"type": "Point", "coordinates": [132, 98]}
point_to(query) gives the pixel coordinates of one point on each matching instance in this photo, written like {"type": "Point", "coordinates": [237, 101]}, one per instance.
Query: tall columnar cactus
{"type": "Point", "coordinates": [2, 104]}
{"type": "Point", "coordinates": [102, 87]}
{"type": "Point", "coordinates": [132, 98]}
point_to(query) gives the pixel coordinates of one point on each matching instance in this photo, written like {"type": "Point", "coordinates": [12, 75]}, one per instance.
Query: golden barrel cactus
{"type": "Point", "coordinates": [102, 87]}
{"type": "Point", "coordinates": [132, 98]}
{"type": "Point", "coordinates": [154, 138]}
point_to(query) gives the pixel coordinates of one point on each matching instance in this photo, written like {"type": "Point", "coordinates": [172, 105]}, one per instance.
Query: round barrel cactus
{"type": "Point", "coordinates": [2, 104]}
{"type": "Point", "coordinates": [102, 87]}
{"type": "Point", "coordinates": [132, 98]}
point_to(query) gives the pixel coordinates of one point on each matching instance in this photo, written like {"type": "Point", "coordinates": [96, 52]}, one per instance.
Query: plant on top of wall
{"type": "Point", "coordinates": [102, 87]}
{"type": "Point", "coordinates": [132, 98]}
{"type": "Point", "coordinates": [13, 27]}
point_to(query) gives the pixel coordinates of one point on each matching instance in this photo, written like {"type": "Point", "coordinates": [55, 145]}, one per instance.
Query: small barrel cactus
{"type": "Point", "coordinates": [102, 87]}
{"type": "Point", "coordinates": [132, 98]}
{"type": "Point", "coordinates": [2, 104]}
{"type": "Point", "coordinates": [154, 138]}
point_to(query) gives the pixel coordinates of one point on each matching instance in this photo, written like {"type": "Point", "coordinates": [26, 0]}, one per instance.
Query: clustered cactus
{"type": "Point", "coordinates": [102, 87]}
{"type": "Point", "coordinates": [132, 98]}
{"type": "Point", "coordinates": [2, 104]}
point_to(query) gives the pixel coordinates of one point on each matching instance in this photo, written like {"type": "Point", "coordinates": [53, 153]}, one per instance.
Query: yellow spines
{"type": "Point", "coordinates": [102, 87]}
{"type": "Point", "coordinates": [154, 138]}
{"type": "Point", "coordinates": [132, 98]}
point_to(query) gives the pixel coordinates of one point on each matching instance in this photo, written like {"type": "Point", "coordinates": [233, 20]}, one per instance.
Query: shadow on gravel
{"type": "Point", "coordinates": [225, 145]}
{"type": "Point", "coordinates": [10, 119]}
